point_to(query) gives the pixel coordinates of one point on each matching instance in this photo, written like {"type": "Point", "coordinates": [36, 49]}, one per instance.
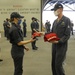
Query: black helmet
{"type": "Point", "coordinates": [15, 15]}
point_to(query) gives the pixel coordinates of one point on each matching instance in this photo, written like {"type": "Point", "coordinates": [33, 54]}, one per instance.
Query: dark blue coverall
{"type": "Point", "coordinates": [62, 29]}
{"type": "Point", "coordinates": [17, 51]}
{"type": "Point", "coordinates": [7, 29]}
{"type": "Point", "coordinates": [33, 26]}
{"type": "Point", "coordinates": [24, 28]}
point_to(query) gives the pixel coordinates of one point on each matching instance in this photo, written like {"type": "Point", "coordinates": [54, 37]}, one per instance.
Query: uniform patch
{"type": "Point", "coordinates": [68, 26]}
{"type": "Point", "coordinates": [63, 23]}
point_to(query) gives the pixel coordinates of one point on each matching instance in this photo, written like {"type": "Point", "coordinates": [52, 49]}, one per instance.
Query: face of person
{"type": "Point", "coordinates": [33, 20]}
{"type": "Point", "coordinates": [58, 12]}
{"type": "Point", "coordinates": [18, 20]}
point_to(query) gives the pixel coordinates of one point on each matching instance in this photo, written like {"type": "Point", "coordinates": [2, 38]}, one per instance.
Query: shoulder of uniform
{"type": "Point", "coordinates": [66, 18]}
{"type": "Point", "coordinates": [55, 20]}
{"type": "Point", "coordinates": [13, 28]}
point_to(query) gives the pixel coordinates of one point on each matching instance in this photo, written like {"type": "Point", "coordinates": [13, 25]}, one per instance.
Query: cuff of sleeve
{"type": "Point", "coordinates": [18, 40]}
{"type": "Point", "coordinates": [59, 41]}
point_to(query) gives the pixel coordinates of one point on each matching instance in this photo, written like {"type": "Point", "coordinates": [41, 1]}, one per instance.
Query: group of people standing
{"type": "Point", "coordinates": [61, 26]}
{"type": "Point", "coordinates": [7, 25]}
